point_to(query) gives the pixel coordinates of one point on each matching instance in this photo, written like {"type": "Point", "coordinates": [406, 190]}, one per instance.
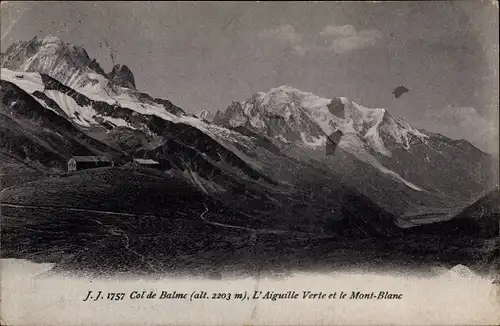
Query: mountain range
{"type": "Point", "coordinates": [264, 156]}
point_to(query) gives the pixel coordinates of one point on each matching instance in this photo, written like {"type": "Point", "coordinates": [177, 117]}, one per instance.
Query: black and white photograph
{"type": "Point", "coordinates": [249, 163]}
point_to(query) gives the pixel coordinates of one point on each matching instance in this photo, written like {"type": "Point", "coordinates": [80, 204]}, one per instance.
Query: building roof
{"type": "Point", "coordinates": [92, 158]}
{"type": "Point", "coordinates": [145, 161]}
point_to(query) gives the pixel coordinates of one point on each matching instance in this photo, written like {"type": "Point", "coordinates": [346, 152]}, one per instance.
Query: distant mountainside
{"type": "Point", "coordinates": [479, 219]}
{"type": "Point", "coordinates": [425, 163]}
{"type": "Point", "coordinates": [265, 155]}
{"type": "Point", "coordinates": [487, 205]}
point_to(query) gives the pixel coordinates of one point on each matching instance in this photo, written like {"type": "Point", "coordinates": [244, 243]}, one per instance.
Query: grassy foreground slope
{"type": "Point", "coordinates": [125, 190]}
{"type": "Point", "coordinates": [136, 220]}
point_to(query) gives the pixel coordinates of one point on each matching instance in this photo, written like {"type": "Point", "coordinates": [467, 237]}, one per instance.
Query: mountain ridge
{"type": "Point", "coordinates": [327, 115]}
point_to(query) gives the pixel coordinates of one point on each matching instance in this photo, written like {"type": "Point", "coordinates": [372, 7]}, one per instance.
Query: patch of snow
{"type": "Point", "coordinates": [256, 122]}
{"type": "Point", "coordinates": [127, 101]}
{"type": "Point", "coordinates": [374, 118]}
{"type": "Point", "coordinates": [345, 125]}
{"type": "Point", "coordinates": [97, 89]}
{"type": "Point", "coordinates": [223, 133]}
{"type": "Point", "coordinates": [283, 139]}
{"type": "Point", "coordinates": [117, 121]}
{"type": "Point", "coordinates": [396, 176]}
{"type": "Point", "coordinates": [45, 105]}
{"type": "Point", "coordinates": [316, 142]}
{"type": "Point", "coordinates": [29, 82]}
{"type": "Point", "coordinates": [82, 115]}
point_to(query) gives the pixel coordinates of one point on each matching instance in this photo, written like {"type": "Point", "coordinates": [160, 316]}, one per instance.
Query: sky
{"type": "Point", "coordinates": [203, 56]}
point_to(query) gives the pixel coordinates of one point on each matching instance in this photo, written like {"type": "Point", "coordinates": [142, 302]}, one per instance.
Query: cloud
{"type": "Point", "coordinates": [287, 35]}
{"type": "Point", "coordinates": [463, 117]}
{"type": "Point", "coordinates": [345, 38]}
{"type": "Point", "coordinates": [341, 31]}
{"type": "Point", "coordinates": [339, 39]}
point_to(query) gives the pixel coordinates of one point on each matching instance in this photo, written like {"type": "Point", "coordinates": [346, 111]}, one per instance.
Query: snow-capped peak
{"type": "Point", "coordinates": [290, 115]}
{"type": "Point", "coordinates": [286, 95]}
{"type": "Point", "coordinates": [295, 115]}
{"type": "Point", "coordinates": [51, 41]}
{"type": "Point", "coordinates": [69, 64]}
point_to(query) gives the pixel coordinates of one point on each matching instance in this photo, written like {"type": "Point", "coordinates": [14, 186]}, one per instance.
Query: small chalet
{"type": "Point", "coordinates": [77, 163]}
{"type": "Point", "coordinates": [145, 162]}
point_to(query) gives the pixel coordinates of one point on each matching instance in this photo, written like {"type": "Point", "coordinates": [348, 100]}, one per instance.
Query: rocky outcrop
{"type": "Point", "coordinates": [121, 75]}
{"type": "Point", "coordinates": [205, 115]}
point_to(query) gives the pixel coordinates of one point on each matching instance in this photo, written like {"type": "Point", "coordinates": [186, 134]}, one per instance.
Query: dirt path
{"type": "Point", "coordinates": [202, 216]}
{"type": "Point", "coordinates": [77, 210]}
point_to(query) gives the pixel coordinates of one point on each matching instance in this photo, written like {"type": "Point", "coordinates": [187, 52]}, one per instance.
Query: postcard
{"type": "Point", "coordinates": [249, 163]}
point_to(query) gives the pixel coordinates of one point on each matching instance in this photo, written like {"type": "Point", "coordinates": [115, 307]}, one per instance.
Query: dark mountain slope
{"type": "Point", "coordinates": [451, 168]}
{"type": "Point", "coordinates": [34, 133]}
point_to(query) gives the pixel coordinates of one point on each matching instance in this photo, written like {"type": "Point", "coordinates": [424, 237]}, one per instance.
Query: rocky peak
{"type": "Point", "coordinates": [205, 115]}
{"type": "Point", "coordinates": [65, 62]}
{"type": "Point", "coordinates": [121, 75]}
{"type": "Point", "coordinates": [289, 114]}
{"type": "Point", "coordinates": [70, 64]}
